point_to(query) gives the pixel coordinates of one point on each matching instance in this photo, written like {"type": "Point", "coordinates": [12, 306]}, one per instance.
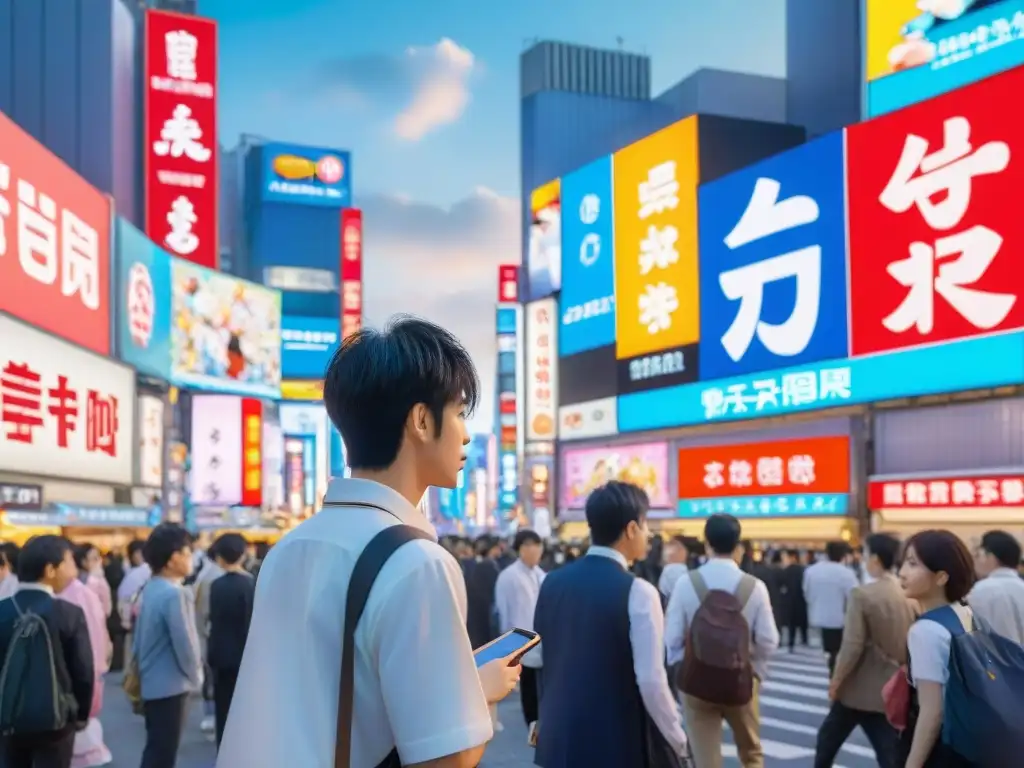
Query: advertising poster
{"type": "Point", "coordinates": [919, 49]}
{"type": "Point", "coordinates": [935, 235]}
{"type": "Point", "coordinates": [180, 135]}
{"type": "Point", "coordinates": [252, 452]}
{"type": "Point", "coordinates": [54, 243]}
{"type": "Point", "coordinates": [595, 418]}
{"type": "Point", "coordinates": [306, 175]}
{"type": "Point", "coordinates": [143, 302]}
{"type": "Point", "coordinates": [541, 370]}
{"type": "Point", "coordinates": [656, 288]}
{"type": "Point", "coordinates": [217, 456]}
{"type": "Point", "coordinates": [645, 465]}
{"type": "Point", "coordinates": [226, 334]}
{"type": "Point", "coordinates": [507, 320]}
{"type": "Point", "coordinates": [544, 243]}
{"type": "Point", "coordinates": [67, 412]}
{"type": "Point", "coordinates": [507, 428]}
{"type": "Point", "coordinates": [508, 283]}
{"type": "Point", "coordinates": [990, 490]}
{"type": "Point", "coordinates": [588, 266]}
{"type": "Point", "coordinates": [151, 442]}
{"type": "Point", "coordinates": [307, 345]}
{"type": "Point", "coordinates": [773, 262]}
{"type": "Point", "coordinates": [351, 271]}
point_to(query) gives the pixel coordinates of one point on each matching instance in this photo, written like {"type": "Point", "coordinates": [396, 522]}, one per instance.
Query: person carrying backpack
{"type": "Point", "coordinates": [46, 677]}
{"type": "Point", "coordinates": [719, 633]}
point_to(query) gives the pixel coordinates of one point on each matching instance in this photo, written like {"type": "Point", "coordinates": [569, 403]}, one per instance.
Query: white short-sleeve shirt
{"type": "Point", "coordinates": [416, 684]}
{"type": "Point", "coordinates": [928, 644]}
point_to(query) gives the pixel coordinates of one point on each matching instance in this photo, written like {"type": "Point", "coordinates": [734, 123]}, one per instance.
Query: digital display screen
{"type": "Point", "coordinates": [502, 647]}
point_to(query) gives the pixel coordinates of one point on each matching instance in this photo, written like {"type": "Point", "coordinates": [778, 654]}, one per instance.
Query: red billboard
{"type": "Point", "coordinates": [54, 243]}
{"type": "Point", "coordinates": [180, 129]}
{"type": "Point", "coordinates": [996, 489]}
{"type": "Point", "coordinates": [935, 234]}
{"type": "Point", "coordinates": [252, 452]}
{"type": "Point", "coordinates": [351, 271]}
{"type": "Point", "coordinates": [508, 283]}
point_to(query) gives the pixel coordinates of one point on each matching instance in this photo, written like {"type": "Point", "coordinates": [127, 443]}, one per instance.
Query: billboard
{"type": "Point", "coordinates": [143, 302]}
{"type": "Point", "coordinates": [936, 492]}
{"type": "Point", "coordinates": [773, 262]}
{"type": "Point", "coordinates": [180, 151]}
{"type": "Point", "coordinates": [217, 456]}
{"type": "Point", "coordinates": [54, 243]}
{"type": "Point", "coordinates": [645, 465]}
{"type": "Point", "coordinates": [307, 345]}
{"type": "Point", "coordinates": [306, 175]}
{"type": "Point", "coordinates": [656, 288]}
{"type": "Point", "coordinates": [252, 452]}
{"type": "Point", "coordinates": [508, 283]}
{"type": "Point", "coordinates": [919, 49]}
{"type": "Point", "coordinates": [541, 370]}
{"type": "Point", "coordinates": [588, 266]}
{"type": "Point", "coordinates": [351, 271]}
{"type": "Point", "coordinates": [595, 418]}
{"type": "Point", "coordinates": [151, 442]}
{"type": "Point", "coordinates": [226, 334]}
{"type": "Point", "coordinates": [66, 412]}
{"type": "Point", "coordinates": [544, 241]}
{"type": "Point", "coordinates": [507, 422]}
{"type": "Point", "coordinates": [506, 320]}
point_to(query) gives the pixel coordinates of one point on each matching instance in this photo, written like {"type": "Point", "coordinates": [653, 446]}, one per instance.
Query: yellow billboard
{"type": "Point", "coordinates": [655, 208]}
{"type": "Point", "coordinates": [309, 390]}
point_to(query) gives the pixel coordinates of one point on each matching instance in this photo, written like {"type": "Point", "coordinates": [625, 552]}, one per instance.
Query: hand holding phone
{"type": "Point", "coordinates": [515, 644]}
{"type": "Point", "coordinates": [498, 677]}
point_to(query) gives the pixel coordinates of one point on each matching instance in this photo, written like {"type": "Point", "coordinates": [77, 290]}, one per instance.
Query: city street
{"type": "Point", "coordinates": [793, 702]}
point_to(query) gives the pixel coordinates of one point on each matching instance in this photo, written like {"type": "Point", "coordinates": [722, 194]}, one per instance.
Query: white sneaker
{"type": "Point", "coordinates": [208, 724]}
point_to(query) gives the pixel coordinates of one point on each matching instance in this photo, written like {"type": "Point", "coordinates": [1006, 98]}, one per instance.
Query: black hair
{"type": "Point", "coordinates": [166, 540]}
{"type": "Point", "coordinates": [526, 536]}
{"type": "Point", "coordinates": [793, 553]}
{"type": "Point", "coordinates": [39, 552]}
{"type": "Point", "coordinates": [611, 508]}
{"type": "Point", "coordinates": [375, 378]}
{"type": "Point", "coordinates": [1003, 547]}
{"type": "Point", "coordinates": [885, 547]}
{"type": "Point", "coordinates": [11, 552]}
{"type": "Point", "coordinates": [484, 544]}
{"type": "Point", "coordinates": [229, 547]}
{"type": "Point", "coordinates": [776, 557]}
{"type": "Point", "coordinates": [722, 533]}
{"type": "Point", "coordinates": [81, 552]}
{"type": "Point", "coordinates": [943, 552]}
{"type": "Point", "coordinates": [836, 551]}
{"type": "Point", "coordinates": [136, 547]}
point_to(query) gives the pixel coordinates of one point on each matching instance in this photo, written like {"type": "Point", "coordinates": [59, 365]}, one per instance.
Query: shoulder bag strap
{"type": "Point", "coordinates": [367, 567]}
{"type": "Point", "coordinates": [745, 589]}
{"type": "Point", "coordinates": [699, 585]}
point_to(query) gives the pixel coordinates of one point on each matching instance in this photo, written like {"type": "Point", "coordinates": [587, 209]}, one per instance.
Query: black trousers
{"type": "Point", "coordinates": [831, 642]}
{"type": "Point", "coordinates": [528, 689]}
{"type": "Point", "coordinates": [53, 751]}
{"type": "Point", "coordinates": [165, 722]}
{"type": "Point", "coordinates": [223, 691]}
{"type": "Point", "coordinates": [841, 721]}
{"type": "Point", "coordinates": [793, 628]}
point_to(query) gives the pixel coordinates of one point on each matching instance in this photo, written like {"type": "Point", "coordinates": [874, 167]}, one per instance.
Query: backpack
{"type": "Point", "coordinates": [716, 663]}
{"type": "Point", "coordinates": [32, 699]}
{"type": "Point", "coordinates": [984, 704]}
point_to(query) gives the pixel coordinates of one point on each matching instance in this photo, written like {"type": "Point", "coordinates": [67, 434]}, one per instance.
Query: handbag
{"type": "Point", "coordinates": [131, 684]}
{"type": "Point", "coordinates": [896, 697]}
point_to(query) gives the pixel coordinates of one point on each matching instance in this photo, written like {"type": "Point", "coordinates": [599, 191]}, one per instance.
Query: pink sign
{"type": "Point", "coordinates": [644, 465]}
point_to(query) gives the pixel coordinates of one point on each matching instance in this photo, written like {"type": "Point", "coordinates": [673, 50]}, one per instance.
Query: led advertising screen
{"type": "Point", "coordinates": [645, 465]}
{"type": "Point", "coordinates": [307, 345]}
{"type": "Point", "coordinates": [143, 302]}
{"type": "Point", "coordinates": [544, 242]}
{"type": "Point", "coordinates": [306, 175]}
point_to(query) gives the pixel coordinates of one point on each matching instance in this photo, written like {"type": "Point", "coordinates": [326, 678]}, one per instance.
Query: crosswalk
{"type": "Point", "coordinates": [794, 702]}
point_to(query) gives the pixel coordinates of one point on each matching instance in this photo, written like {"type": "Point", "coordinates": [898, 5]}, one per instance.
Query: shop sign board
{"type": "Point", "coordinates": [995, 490]}
{"type": "Point", "coordinates": [783, 505]}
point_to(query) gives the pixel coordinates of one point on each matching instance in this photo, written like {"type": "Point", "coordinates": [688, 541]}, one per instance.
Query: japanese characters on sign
{"type": "Point", "coordinates": [217, 450]}
{"type": "Point", "coordinates": [658, 369]}
{"type": "Point", "coordinates": [252, 452]}
{"type": "Point", "coordinates": [21, 497]}
{"type": "Point", "coordinates": [655, 209]}
{"type": "Point", "coordinates": [773, 262]}
{"type": "Point", "coordinates": [180, 134]}
{"type": "Point", "coordinates": [770, 393]}
{"type": "Point", "coordinates": [306, 175]}
{"type": "Point", "coordinates": [307, 344]}
{"type": "Point", "coordinates": [933, 231]}
{"type": "Point", "coordinates": [54, 243]}
{"type": "Point", "coordinates": [819, 465]}
{"type": "Point", "coordinates": [588, 268]}
{"type": "Point", "coordinates": [595, 418]}
{"type": "Point", "coordinates": [789, 505]}
{"type": "Point", "coordinates": [151, 442]}
{"type": "Point", "coordinates": [998, 490]}
{"type": "Point", "coordinates": [143, 316]}
{"type": "Point", "coordinates": [351, 271]}
{"type": "Point", "coordinates": [541, 370]}
{"type": "Point", "coordinates": [508, 283]}
{"type": "Point", "coordinates": [64, 409]}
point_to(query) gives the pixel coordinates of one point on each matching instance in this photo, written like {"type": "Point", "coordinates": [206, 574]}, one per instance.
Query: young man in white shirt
{"type": "Point", "coordinates": [399, 398]}
{"type": "Point", "coordinates": [677, 556]}
{"type": "Point", "coordinates": [998, 598]}
{"type": "Point", "coordinates": [827, 587]}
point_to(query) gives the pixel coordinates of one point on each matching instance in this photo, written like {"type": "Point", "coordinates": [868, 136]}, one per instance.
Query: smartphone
{"type": "Point", "coordinates": [515, 641]}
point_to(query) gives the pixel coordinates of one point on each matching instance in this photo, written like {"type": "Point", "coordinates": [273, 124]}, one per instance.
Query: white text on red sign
{"type": "Point", "coordinates": [967, 492]}
{"type": "Point", "coordinates": [766, 472]}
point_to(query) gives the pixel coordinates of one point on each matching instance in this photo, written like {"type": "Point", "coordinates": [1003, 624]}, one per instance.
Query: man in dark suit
{"type": "Point", "coordinates": [481, 578]}
{"type": "Point", "coordinates": [46, 566]}
{"type": "Point", "coordinates": [791, 597]}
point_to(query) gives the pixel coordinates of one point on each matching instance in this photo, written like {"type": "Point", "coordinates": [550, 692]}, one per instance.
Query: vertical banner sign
{"type": "Point", "coordinates": [508, 482]}
{"type": "Point", "coordinates": [508, 283]}
{"type": "Point", "coordinates": [351, 271]}
{"type": "Point", "coordinates": [180, 125]}
{"type": "Point", "coordinates": [541, 359]}
{"type": "Point", "coordinates": [252, 452]}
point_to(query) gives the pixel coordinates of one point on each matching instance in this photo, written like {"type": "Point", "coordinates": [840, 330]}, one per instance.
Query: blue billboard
{"type": "Point", "coordinates": [306, 175]}
{"type": "Point", "coordinates": [588, 269]}
{"type": "Point", "coordinates": [142, 303]}
{"type": "Point", "coordinates": [307, 344]}
{"type": "Point", "coordinates": [506, 320]}
{"type": "Point", "coordinates": [773, 263]}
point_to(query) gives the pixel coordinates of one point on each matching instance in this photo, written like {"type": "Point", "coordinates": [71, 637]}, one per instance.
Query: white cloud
{"type": "Point", "coordinates": [442, 265]}
{"type": "Point", "coordinates": [442, 93]}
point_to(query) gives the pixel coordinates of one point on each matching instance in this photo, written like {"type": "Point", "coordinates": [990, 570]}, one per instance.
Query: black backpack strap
{"type": "Point", "coordinates": [367, 567]}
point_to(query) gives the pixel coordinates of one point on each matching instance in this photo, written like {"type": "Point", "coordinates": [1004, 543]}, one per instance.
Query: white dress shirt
{"type": "Point", "coordinates": [646, 638]}
{"type": "Point", "coordinates": [827, 588]}
{"type": "Point", "coordinates": [8, 586]}
{"type": "Point", "coordinates": [670, 575]}
{"type": "Point", "coordinates": [515, 599]}
{"type": "Point", "coordinates": [999, 602]}
{"type": "Point", "coordinates": [416, 683]}
{"type": "Point", "coordinates": [723, 574]}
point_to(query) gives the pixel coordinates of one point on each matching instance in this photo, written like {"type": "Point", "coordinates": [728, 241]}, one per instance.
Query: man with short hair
{"type": "Point", "coordinates": [400, 398]}
{"type": "Point", "coordinates": [827, 587]}
{"type": "Point", "coordinates": [874, 644]}
{"type": "Point", "coordinates": [602, 630]}
{"type": "Point", "coordinates": [677, 556]}
{"type": "Point", "coordinates": [998, 598]}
